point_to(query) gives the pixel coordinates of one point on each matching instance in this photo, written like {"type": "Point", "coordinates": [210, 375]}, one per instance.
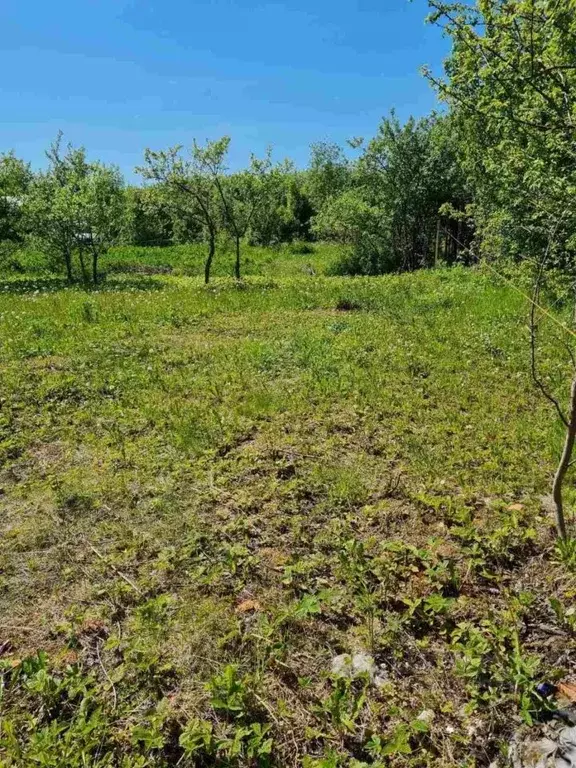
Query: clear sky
{"type": "Point", "coordinates": [119, 75]}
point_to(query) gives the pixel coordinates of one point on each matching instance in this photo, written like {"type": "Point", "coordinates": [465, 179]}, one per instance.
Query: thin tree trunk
{"type": "Point", "coordinates": [95, 267]}
{"type": "Point", "coordinates": [458, 238]}
{"type": "Point", "coordinates": [565, 463]}
{"type": "Point", "coordinates": [569, 419]}
{"type": "Point", "coordinates": [208, 264]}
{"type": "Point", "coordinates": [237, 265]}
{"type": "Point", "coordinates": [437, 249]}
{"type": "Point", "coordinates": [82, 265]}
{"type": "Point", "coordinates": [68, 260]}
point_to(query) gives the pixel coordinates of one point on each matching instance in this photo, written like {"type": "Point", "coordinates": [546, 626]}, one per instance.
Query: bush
{"type": "Point", "coordinates": [301, 247]}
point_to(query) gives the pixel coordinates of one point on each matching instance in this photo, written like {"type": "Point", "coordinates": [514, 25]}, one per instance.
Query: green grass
{"type": "Point", "coordinates": [294, 260]}
{"type": "Point", "coordinates": [209, 493]}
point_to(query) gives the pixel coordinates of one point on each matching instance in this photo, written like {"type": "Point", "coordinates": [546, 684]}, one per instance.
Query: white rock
{"type": "Point", "coordinates": [341, 665]}
{"type": "Point", "coordinates": [356, 665]}
{"type": "Point", "coordinates": [381, 678]}
{"type": "Point", "coordinates": [363, 663]}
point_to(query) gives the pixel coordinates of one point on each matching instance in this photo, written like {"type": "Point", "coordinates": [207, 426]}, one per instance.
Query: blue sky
{"type": "Point", "coordinates": [119, 75]}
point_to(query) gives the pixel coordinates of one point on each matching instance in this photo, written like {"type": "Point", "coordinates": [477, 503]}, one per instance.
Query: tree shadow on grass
{"type": "Point", "coordinates": [132, 283]}
{"type": "Point", "coordinates": [34, 285]}
{"type": "Point", "coordinates": [20, 286]}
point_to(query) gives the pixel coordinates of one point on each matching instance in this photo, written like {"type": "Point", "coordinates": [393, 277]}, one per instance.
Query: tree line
{"type": "Point", "coordinates": [382, 200]}
{"type": "Point", "coordinates": [493, 174]}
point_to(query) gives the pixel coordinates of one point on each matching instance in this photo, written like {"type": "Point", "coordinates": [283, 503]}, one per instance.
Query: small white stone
{"type": "Point", "coordinates": [381, 678]}
{"type": "Point", "coordinates": [363, 663]}
{"type": "Point", "coordinates": [359, 665]}
{"type": "Point", "coordinates": [427, 716]}
{"type": "Point", "coordinates": [346, 665]}
{"type": "Point", "coordinates": [341, 665]}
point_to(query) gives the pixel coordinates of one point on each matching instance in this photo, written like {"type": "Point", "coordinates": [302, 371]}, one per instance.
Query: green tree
{"type": "Point", "coordinates": [74, 207]}
{"type": "Point", "coordinates": [188, 186]}
{"type": "Point", "coordinates": [286, 211]}
{"type": "Point", "coordinates": [15, 176]}
{"type": "Point", "coordinates": [329, 174]}
{"type": "Point", "coordinates": [148, 219]}
{"type": "Point", "coordinates": [297, 210]}
{"type": "Point", "coordinates": [352, 220]}
{"type": "Point", "coordinates": [99, 202]}
{"type": "Point", "coordinates": [241, 194]}
{"type": "Point", "coordinates": [51, 207]}
{"type": "Point", "coordinates": [389, 210]}
{"type": "Point", "coordinates": [510, 82]}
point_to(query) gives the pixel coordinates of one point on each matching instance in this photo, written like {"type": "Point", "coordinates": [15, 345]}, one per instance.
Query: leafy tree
{"type": "Point", "coordinates": [411, 171]}
{"type": "Point", "coordinates": [74, 207]}
{"type": "Point", "coordinates": [187, 184]}
{"type": "Point", "coordinates": [389, 211]}
{"type": "Point", "coordinates": [99, 209]}
{"type": "Point", "coordinates": [51, 207]}
{"type": "Point", "coordinates": [148, 219]}
{"type": "Point", "coordinates": [453, 193]}
{"type": "Point", "coordinates": [297, 210]}
{"type": "Point", "coordinates": [241, 194]}
{"type": "Point", "coordinates": [350, 219]}
{"type": "Point", "coordinates": [511, 84]}
{"type": "Point", "coordinates": [15, 176]}
{"type": "Point", "coordinates": [397, 172]}
{"type": "Point", "coordinates": [328, 175]}
{"type": "Point", "coordinates": [186, 227]}
{"type": "Point", "coordinates": [286, 210]}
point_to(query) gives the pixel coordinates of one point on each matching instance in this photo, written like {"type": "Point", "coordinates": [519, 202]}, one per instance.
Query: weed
{"type": "Point", "coordinates": [565, 553]}
{"type": "Point", "coordinates": [202, 506]}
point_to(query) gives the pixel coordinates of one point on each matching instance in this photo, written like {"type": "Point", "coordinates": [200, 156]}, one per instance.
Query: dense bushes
{"type": "Point", "coordinates": [383, 205]}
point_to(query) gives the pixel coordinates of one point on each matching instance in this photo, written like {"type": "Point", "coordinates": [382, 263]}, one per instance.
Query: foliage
{"type": "Point", "coordinates": [241, 194]}
{"type": "Point", "coordinates": [287, 212]}
{"type": "Point", "coordinates": [15, 177]}
{"type": "Point", "coordinates": [187, 186]}
{"type": "Point", "coordinates": [389, 214]}
{"type": "Point", "coordinates": [148, 219]}
{"type": "Point", "coordinates": [328, 175]}
{"type": "Point", "coordinates": [510, 83]}
{"type": "Point", "coordinates": [386, 207]}
{"type": "Point", "coordinates": [74, 208]}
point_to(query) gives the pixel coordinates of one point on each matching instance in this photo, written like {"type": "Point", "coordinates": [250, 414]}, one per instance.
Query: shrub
{"type": "Point", "coordinates": [301, 248]}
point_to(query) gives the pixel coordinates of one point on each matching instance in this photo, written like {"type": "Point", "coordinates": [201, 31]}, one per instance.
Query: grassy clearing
{"type": "Point", "coordinates": [209, 493]}
{"type": "Point", "coordinates": [294, 260]}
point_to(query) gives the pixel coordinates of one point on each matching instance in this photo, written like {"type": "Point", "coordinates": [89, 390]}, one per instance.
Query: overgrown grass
{"type": "Point", "coordinates": [209, 493]}
{"type": "Point", "coordinates": [297, 259]}
{"type": "Point", "coordinates": [289, 260]}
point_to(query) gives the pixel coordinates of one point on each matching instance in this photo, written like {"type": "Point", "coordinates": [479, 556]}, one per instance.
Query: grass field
{"type": "Point", "coordinates": [209, 493]}
{"type": "Point", "coordinates": [295, 260]}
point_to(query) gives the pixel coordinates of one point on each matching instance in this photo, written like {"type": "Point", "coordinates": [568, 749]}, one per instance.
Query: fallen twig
{"type": "Point", "coordinates": [107, 676]}
{"type": "Point", "coordinates": [113, 567]}
{"type": "Point", "coordinates": [17, 628]}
